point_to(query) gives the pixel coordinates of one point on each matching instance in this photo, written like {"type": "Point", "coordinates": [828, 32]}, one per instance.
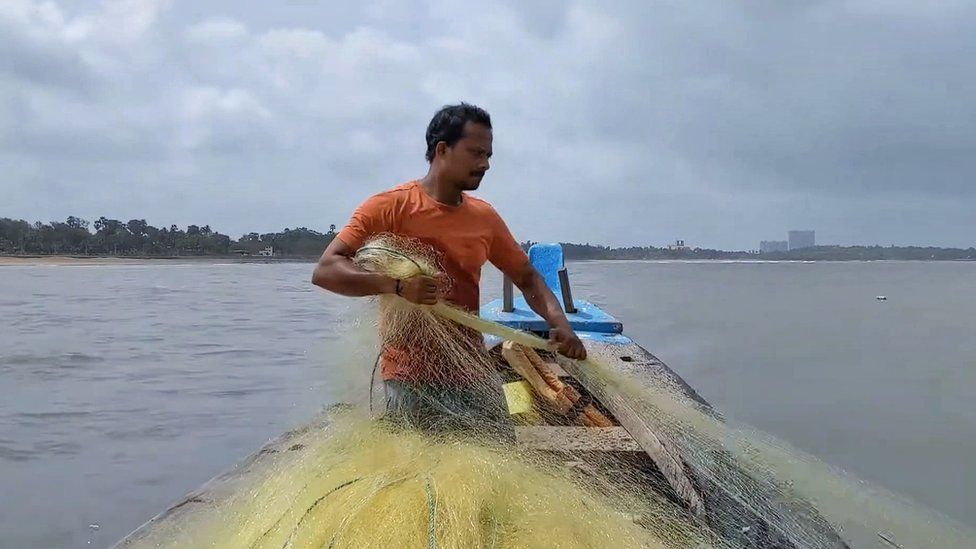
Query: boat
{"type": "Point", "coordinates": [627, 438]}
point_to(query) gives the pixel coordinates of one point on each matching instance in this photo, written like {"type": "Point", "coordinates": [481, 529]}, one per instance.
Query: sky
{"type": "Point", "coordinates": [619, 123]}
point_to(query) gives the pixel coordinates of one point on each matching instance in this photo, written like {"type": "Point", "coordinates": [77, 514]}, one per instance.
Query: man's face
{"type": "Point", "coordinates": [467, 160]}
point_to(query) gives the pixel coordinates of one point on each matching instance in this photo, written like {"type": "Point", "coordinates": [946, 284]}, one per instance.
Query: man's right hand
{"type": "Point", "coordinates": [421, 290]}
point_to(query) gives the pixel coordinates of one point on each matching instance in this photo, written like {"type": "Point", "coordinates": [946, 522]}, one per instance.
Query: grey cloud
{"type": "Point", "coordinates": [820, 98]}
{"type": "Point", "coordinates": [34, 55]}
{"type": "Point", "coordinates": [29, 62]}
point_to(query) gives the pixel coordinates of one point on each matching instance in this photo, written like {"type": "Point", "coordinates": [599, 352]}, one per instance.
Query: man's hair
{"type": "Point", "coordinates": [448, 125]}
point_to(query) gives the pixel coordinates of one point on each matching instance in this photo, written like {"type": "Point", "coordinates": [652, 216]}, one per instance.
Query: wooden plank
{"type": "Point", "coordinates": [635, 362]}
{"type": "Point", "coordinates": [662, 451]}
{"type": "Point", "coordinates": [574, 439]}
{"type": "Point", "coordinates": [558, 370]}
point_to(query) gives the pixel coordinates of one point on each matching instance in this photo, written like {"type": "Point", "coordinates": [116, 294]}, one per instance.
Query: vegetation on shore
{"type": "Point", "coordinates": [818, 253]}
{"type": "Point", "coordinates": [136, 238]}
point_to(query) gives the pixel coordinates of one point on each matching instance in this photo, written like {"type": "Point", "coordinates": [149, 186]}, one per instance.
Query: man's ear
{"type": "Point", "coordinates": [441, 147]}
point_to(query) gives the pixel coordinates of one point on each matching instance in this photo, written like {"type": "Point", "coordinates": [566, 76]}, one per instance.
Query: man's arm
{"type": "Point", "coordinates": [541, 299]}
{"type": "Point", "coordinates": [337, 273]}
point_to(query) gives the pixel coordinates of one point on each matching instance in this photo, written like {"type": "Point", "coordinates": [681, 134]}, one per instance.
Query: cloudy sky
{"type": "Point", "coordinates": [622, 123]}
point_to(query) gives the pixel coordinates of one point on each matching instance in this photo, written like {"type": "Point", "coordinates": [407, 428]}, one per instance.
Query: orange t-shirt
{"type": "Point", "coordinates": [467, 236]}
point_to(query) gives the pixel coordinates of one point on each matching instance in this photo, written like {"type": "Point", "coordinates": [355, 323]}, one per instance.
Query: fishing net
{"type": "Point", "coordinates": [465, 446]}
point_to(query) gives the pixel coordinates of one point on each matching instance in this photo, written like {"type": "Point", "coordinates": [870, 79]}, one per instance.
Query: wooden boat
{"type": "Point", "coordinates": [626, 441]}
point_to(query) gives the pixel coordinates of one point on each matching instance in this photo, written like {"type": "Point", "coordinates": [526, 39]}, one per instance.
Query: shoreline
{"type": "Point", "coordinates": [74, 260]}
{"type": "Point", "coordinates": [88, 261]}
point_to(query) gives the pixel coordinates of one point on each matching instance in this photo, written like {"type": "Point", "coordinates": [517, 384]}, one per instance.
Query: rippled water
{"type": "Point", "coordinates": [123, 387]}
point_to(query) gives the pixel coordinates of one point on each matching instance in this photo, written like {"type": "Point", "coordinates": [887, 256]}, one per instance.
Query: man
{"type": "Point", "coordinates": [467, 231]}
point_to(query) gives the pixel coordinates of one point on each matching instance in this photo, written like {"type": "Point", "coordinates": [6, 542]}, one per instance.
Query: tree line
{"type": "Point", "coordinates": [817, 253]}
{"type": "Point", "coordinates": [137, 238]}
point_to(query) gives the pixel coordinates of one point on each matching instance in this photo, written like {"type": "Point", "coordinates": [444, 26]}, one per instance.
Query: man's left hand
{"type": "Point", "coordinates": [567, 343]}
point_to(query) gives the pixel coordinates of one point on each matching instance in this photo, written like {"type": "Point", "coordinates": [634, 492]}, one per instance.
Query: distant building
{"type": "Point", "coordinates": [767, 246]}
{"type": "Point", "coordinates": [678, 245]}
{"type": "Point", "coordinates": [267, 252]}
{"type": "Point", "coordinates": [801, 239]}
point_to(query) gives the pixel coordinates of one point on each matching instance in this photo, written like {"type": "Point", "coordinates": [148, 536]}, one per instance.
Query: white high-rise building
{"type": "Point", "coordinates": [802, 239]}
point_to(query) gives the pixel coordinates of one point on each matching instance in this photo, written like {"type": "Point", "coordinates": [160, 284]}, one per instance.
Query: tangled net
{"type": "Point", "coordinates": [458, 479]}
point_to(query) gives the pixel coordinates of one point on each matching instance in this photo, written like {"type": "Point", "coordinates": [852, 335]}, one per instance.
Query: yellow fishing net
{"type": "Point", "coordinates": [450, 462]}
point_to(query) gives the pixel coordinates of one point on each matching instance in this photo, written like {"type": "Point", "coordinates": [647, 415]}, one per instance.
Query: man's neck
{"type": "Point", "coordinates": [441, 190]}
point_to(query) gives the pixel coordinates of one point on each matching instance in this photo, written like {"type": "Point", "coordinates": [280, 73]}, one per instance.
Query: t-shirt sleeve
{"type": "Point", "coordinates": [505, 252]}
{"type": "Point", "coordinates": [372, 217]}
